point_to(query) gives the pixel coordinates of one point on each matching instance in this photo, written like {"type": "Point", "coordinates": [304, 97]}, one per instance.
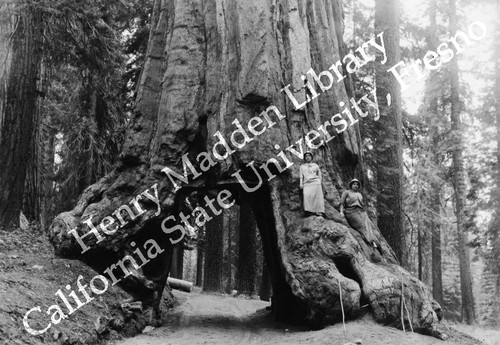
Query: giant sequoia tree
{"type": "Point", "coordinates": [209, 63]}
{"type": "Point", "coordinates": [468, 313]}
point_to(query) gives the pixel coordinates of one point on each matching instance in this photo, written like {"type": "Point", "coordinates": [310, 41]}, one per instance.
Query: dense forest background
{"type": "Point", "coordinates": [64, 131]}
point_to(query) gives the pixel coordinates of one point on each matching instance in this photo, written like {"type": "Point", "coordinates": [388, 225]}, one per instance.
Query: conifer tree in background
{"type": "Point", "coordinates": [493, 265]}
{"type": "Point", "coordinates": [200, 251]}
{"type": "Point", "coordinates": [214, 255]}
{"type": "Point", "coordinates": [468, 314]}
{"type": "Point", "coordinates": [247, 256]}
{"type": "Point", "coordinates": [22, 33]}
{"type": "Point", "coordinates": [432, 95]}
{"type": "Point", "coordinates": [389, 137]}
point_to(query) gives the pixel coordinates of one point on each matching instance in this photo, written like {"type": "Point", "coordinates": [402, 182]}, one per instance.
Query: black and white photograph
{"type": "Point", "coordinates": [281, 172]}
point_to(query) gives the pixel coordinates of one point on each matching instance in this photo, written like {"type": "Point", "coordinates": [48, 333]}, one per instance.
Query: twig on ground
{"type": "Point", "coordinates": [402, 301]}
{"type": "Point", "coordinates": [342, 307]}
{"type": "Point", "coordinates": [408, 314]}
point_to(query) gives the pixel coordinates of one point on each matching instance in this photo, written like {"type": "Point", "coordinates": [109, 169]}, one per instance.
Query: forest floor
{"type": "Point", "coordinates": [220, 319]}
{"type": "Point", "coordinates": [30, 275]}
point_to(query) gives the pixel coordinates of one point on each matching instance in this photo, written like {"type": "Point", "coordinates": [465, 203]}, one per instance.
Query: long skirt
{"type": "Point", "coordinates": [313, 198]}
{"type": "Point", "coordinates": [358, 219]}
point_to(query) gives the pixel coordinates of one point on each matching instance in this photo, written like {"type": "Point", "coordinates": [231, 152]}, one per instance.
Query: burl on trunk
{"type": "Point", "coordinates": [208, 64]}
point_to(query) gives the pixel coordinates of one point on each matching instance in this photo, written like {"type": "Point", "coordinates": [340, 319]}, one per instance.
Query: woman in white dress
{"type": "Point", "coordinates": [310, 183]}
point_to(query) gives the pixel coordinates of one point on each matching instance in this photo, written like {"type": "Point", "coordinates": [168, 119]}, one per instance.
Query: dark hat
{"type": "Point", "coordinates": [308, 153]}
{"type": "Point", "coordinates": [354, 180]}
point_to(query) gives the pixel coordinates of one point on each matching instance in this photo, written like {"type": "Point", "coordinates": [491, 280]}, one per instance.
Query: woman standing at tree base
{"type": "Point", "coordinates": [353, 208]}
{"type": "Point", "coordinates": [310, 183]}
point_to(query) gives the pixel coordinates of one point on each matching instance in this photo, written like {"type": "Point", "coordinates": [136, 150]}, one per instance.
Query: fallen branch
{"type": "Point", "coordinates": [179, 284]}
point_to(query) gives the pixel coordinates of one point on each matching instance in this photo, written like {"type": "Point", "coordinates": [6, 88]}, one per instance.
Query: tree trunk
{"type": "Point", "coordinates": [47, 211]}
{"type": "Point", "coordinates": [180, 262]}
{"type": "Point", "coordinates": [199, 260]}
{"type": "Point", "coordinates": [18, 95]}
{"type": "Point", "coordinates": [247, 256]}
{"type": "Point", "coordinates": [265, 284]}
{"type": "Point", "coordinates": [176, 271]}
{"type": "Point", "coordinates": [389, 138]}
{"type": "Point", "coordinates": [220, 68]}
{"type": "Point", "coordinates": [432, 96]}
{"type": "Point", "coordinates": [437, 274]}
{"type": "Point", "coordinates": [424, 260]}
{"type": "Point", "coordinates": [495, 223]}
{"type": "Point", "coordinates": [230, 222]}
{"type": "Point", "coordinates": [214, 255]}
{"type": "Point", "coordinates": [468, 314]}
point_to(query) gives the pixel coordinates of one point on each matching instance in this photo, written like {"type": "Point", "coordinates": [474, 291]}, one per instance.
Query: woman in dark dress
{"type": "Point", "coordinates": [353, 208]}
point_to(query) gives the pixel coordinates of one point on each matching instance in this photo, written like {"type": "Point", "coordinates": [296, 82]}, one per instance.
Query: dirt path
{"type": "Point", "coordinates": [214, 319]}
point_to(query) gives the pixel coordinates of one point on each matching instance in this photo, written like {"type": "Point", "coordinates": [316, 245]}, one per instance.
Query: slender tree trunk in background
{"type": "Point", "coordinates": [47, 177]}
{"type": "Point", "coordinates": [459, 184]}
{"type": "Point", "coordinates": [388, 142]}
{"type": "Point", "coordinates": [214, 255]}
{"type": "Point", "coordinates": [495, 226]}
{"type": "Point", "coordinates": [32, 188]}
{"type": "Point", "coordinates": [228, 226]}
{"type": "Point", "coordinates": [36, 171]}
{"type": "Point", "coordinates": [437, 274]}
{"type": "Point", "coordinates": [180, 262]}
{"type": "Point", "coordinates": [424, 260]}
{"type": "Point", "coordinates": [18, 95]}
{"type": "Point", "coordinates": [247, 257]}
{"type": "Point", "coordinates": [265, 285]}
{"type": "Point", "coordinates": [199, 257]}
{"type": "Point", "coordinates": [176, 271]}
{"type": "Point", "coordinates": [435, 225]}
{"type": "Point", "coordinates": [174, 265]}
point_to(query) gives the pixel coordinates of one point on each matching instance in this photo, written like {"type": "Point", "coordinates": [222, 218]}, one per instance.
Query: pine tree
{"type": "Point", "coordinates": [247, 256]}
{"type": "Point", "coordinates": [18, 98]}
{"type": "Point", "coordinates": [468, 313]}
{"type": "Point", "coordinates": [214, 255]}
{"type": "Point", "coordinates": [389, 137]}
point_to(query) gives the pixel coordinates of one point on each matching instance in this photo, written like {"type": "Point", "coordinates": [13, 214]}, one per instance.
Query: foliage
{"type": "Point", "coordinates": [429, 142]}
{"type": "Point", "coordinates": [87, 44]}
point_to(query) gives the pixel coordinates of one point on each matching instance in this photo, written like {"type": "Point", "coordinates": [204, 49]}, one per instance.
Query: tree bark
{"type": "Point", "coordinates": [468, 313]}
{"type": "Point", "coordinates": [199, 260]}
{"type": "Point", "coordinates": [176, 271]}
{"type": "Point", "coordinates": [495, 223]}
{"type": "Point", "coordinates": [214, 255]}
{"type": "Point", "coordinates": [389, 138]}
{"type": "Point", "coordinates": [179, 284]}
{"type": "Point", "coordinates": [209, 63]}
{"type": "Point", "coordinates": [18, 95]}
{"type": "Point", "coordinates": [432, 97]}
{"type": "Point", "coordinates": [47, 178]}
{"type": "Point", "coordinates": [247, 256]}
{"type": "Point", "coordinates": [230, 222]}
{"type": "Point", "coordinates": [265, 284]}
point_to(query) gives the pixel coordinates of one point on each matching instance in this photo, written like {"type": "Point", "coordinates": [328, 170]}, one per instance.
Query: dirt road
{"type": "Point", "coordinates": [214, 319]}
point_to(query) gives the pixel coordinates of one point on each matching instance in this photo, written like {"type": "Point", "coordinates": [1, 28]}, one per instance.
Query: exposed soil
{"type": "Point", "coordinates": [30, 275]}
{"type": "Point", "coordinates": [215, 319]}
